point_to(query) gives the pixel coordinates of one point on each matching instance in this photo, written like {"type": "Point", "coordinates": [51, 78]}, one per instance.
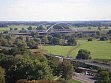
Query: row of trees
{"type": "Point", "coordinates": [23, 42]}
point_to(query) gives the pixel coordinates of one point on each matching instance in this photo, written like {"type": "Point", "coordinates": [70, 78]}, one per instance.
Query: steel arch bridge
{"type": "Point", "coordinates": [59, 28]}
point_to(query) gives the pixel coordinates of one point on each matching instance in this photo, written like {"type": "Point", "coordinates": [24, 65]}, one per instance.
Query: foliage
{"type": "Point", "coordinates": [7, 61]}
{"type": "Point", "coordinates": [30, 28]}
{"type": "Point", "coordinates": [62, 69]}
{"type": "Point", "coordinates": [2, 75]}
{"type": "Point", "coordinates": [109, 32]}
{"type": "Point", "coordinates": [103, 76]}
{"type": "Point", "coordinates": [15, 28]}
{"type": "Point", "coordinates": [71, 41]}
{"type": "Point", "coordinates": [65, 69]}
{"type": "Point", "coordinates": [32, 44]}
{"type": "Point", "coordinates": [54, 62]}
{"type": "Point", "coordinates": [103, 38]}
{"type": "Point", "coordinates": [55, 41]}
{"type": "Point", "coordinates": [90, 39]}
{"type": "Point", "coordinates": [30, 69]}
{"type": "Point", "coordinates": [83, 54]}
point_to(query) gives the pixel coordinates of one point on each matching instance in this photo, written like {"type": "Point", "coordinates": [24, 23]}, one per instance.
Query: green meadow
{"type": "Point", "coordinates": [98, 49]}
{"type": "Point", "coordinates": [58, 50]}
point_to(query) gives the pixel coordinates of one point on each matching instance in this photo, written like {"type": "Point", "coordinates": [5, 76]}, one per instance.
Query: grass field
{"type": "Point", "coordinates": [58, 50]}
{"type": "Point", "coordinates": [98, 49]}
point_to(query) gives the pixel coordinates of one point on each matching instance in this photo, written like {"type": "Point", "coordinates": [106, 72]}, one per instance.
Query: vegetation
{"type": "Point", "coordinates": [22, 64]}
{"type": "Point", "coordinates": [2, 75]}
{"type": "Point", "coordinates": [103, 76]}
{"type": "Point", "coordinates": [103, 38]}
{"type": "Point", "coordinates": [30, 69]}
{"type": "Point", "coordinates": [98, 49]}
{"type": "Point", "coordinates": [83, 54]}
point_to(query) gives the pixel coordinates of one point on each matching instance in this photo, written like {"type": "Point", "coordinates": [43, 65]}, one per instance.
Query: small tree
{"type": "Point", "coordinates": [99, 28]}
{"type": "Point", "coordinates": [109, 32]}
{"type": "Point", "coordinates": [90, 39]}
{"type": "Point", "coordinates": [15, 29]}
{"type": "Point", "coordinates": [65, 69]}
{"type": "Point", "coordinates": [2, 74]}
{"type": "Point", "coordinates": [103, 38]}
{"type": "Point", "coordinates": [11, 29]}
{"type": "Point", "coordinates": [83, 54]}
{"type": "Point", "coordinates": [30, 28]}
{"type": "Point", "coordinates": [23, 29]}
{"type": "Point", "coordinates": [103, 76]}
{"type": "Point", "coordinates": [71, 41]}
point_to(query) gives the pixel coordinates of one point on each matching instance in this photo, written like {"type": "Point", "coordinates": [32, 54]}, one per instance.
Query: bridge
{"type": "Point", "coordinates": [57, 28]}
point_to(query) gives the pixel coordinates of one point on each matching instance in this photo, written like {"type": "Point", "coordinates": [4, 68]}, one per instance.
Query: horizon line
{"type": "Point", "coordinates": [48, 20]}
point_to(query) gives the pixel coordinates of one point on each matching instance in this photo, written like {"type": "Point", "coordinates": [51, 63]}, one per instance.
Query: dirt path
{"type": "Point", "coordinates": [70, 51]}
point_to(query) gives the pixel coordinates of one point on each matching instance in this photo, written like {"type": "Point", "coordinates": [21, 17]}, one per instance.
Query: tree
{"type": "Point", "coordinates": [5, 32]}
{"type": "Point", "coordinates": [34, 34]}
{"type": "Point", "coordinates": [32, 44]}
{"type": "Point", "coordinates": [23, 29]}
{"type": "Point", "coordinates": [38, 40]}
{"type": "Point", "coordinates": [15, 28]}
{"type": "Point", "coordinates": [103, 76]}
{"type": "Point", "coordinates": [109, 32]}
{"type": "Point", "coordinates": [7, 62]}
{"type": "Point", "coordinates": [20, 42]}
{"type": "Point", "coordinates": [99, 28]}
{"type": "Point", "coordinates": [41, 27]}
{"type": "Point", "coordinates": [90, 39]}
{"type": "Point", "coordinates": [54, 64]}
{"type": "Point", "coordinates": [65, 69]}
{"type": "Point", "coordinates": [106, 27]}
{"type": "Point", "coordinates": [98, 33]}
{"type": "Point", "coordinates": [11, 29]}
{"type": "Point", "coordinates": [45, 39]}
{"type": "Point", "coordinates": [55, 41]}
{"type": "Point", "coordinates": [83, 54]}
{"type": "Point", "coordinates": [2, 75]}
{"type": "Point", "coordinates": [27, 38]}
{"type": "Point", "coordinates": [30, 68]}
{"type": "Point", "coordinates": [30, 28]}
{"type": "Point", "coordinates": [71, 41]}
{"type": "Point", "coordinates": [103, 38]}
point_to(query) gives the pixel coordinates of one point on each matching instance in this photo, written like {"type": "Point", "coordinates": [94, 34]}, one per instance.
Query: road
{"type": "Point", "coordinates": [83, 78]}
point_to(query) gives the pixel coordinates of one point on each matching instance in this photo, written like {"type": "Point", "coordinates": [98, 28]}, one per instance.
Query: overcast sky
{"type": "Point", "coordinates": [55, 10]}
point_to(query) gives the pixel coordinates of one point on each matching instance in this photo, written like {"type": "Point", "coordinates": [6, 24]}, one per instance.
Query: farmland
{"type": "Point", "coordinates": [98, 49]}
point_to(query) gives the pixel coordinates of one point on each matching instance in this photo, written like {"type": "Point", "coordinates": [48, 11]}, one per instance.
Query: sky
{"type": "Point", "coordinates": [55, 10]}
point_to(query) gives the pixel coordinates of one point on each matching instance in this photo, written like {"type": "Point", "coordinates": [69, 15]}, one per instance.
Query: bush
{"type": "Point", "coordinates": [90, 39]}
{"type": "Point", "coordinates": [2, 73]}
{"type": "Point", "coordinates": [83, 54]}
{"type": "Point", "coordinates": [103, 38]}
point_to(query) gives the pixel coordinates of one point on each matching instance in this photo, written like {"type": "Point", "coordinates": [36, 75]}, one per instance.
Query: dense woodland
{"type": "Point", "coordinates": [18, 64]}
